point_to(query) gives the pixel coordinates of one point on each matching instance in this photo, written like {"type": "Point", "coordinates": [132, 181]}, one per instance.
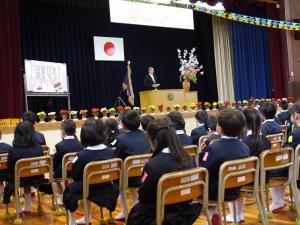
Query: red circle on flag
{"type": "Point", "coordinates": [109, 48]}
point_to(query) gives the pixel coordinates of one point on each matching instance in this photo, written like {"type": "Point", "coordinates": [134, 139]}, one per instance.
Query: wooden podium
{"type": "Point", "coordinates": [168, 97]}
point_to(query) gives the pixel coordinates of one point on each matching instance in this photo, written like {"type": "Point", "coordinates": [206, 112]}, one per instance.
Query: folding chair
{"type": "Point", "coordinates": [272, 160]}
{"type": "Point", "coordinates": [202, 141]}
{"type": "Point", "coordinates": [277, 141]}
{"type": "Point", "coordinates": [235, 174]}
{"type": "Point", "coordinates": [284, 131]}
{"type": "Point", "coordinates": [192, 150]}
{"type": "Point", "coordinates": [46, 150]}
{"type": "Point", "coordinates": [294, 182]}
{"type": "Point", "coordinates": [27, 168]}
{"type": "Point", "coordinates": [3, 167]}
{"type": "Point", "coordinates": [100, 172]}
{"type": "Point", "coordinates": [177, 187]}
{"type": "Point", "coordinates": [133, 167]}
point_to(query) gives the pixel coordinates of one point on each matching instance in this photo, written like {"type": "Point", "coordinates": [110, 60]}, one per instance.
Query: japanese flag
{"type": "Point", "coordinates": [108, 49]}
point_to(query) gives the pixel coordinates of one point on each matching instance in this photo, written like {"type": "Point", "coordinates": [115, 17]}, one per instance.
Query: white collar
{"type": "Point", "coordinates": [1, 141]}
{"type": "Point", "coordinates": [283, 110]}
{"type": "Point", "coordinates": [180, 132]}
{"type": "Point", "coordinates": [114, 142]}
{"type": "Point", "coordinates": [69, 137]}
{"type": "Point", "coordinates": [249, 132]}
{"type": "Point", "coordinates": [215, 132]}
{"type": "Point", "coordinates": [227, 137]}
{"type": "Point", "coordinates": [166, 150]}
{"type": "Point", "coordinates": [268, 120]}
{"type": "Point", "coordinates": [200, 124]}
{"type": "Point", "coordinates": [96, 147]}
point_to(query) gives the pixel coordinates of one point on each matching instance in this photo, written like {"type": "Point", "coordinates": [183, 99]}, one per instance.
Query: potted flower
{"type": "Point", "coordinates": [127, 108]}
{"type": "Point", "coordinates": [83, 113]}
{"type": "Point", "coordinates": [74, 115]}
{"type": "Point", "coordinates": [189, 67]}
{"type": "Point", "coordinates": [226, 103]}
{"type": "Point", "coordinates": [151, 108]}
{"type": "Point", "coordinates": [245, 103]}
{"type": "Point", "coordinates": [199, 105]}
{"type": "Point", "coordinates": [137, 109]}
{"type": "Point", "coordinates": [104, 111]}
{"type": "Point", "coordinates": [144, 110]}
{"type": "Point", "coordinates": [41, 115]}
{"type": "Point", "coordinates": [233, 104]}
{"type": "Point", "coordinates": [64, 114]}
{"type": "Point", "coordinates": [256, 102]}
{"type": "Point", "coordinates": [112, 112]}
{"type": "Point", "coordinates": [207, 106]}
{"type": "Point", "coordinates": [176, 107]}
{"type": "Point", "coordinates": [160, 108]}
{"type": "Point", "coordinates": [214, 105]}
{"type": "Point", "coordinates": [220, 104]}
{"type": "Point", "coordinates": [185, 108]}
{"type": "Point", "coordinates": [268, 100]}
{"type": "Point", "coordinates": [290, 99]}
{"type": "Point", "coordinates": [168, 108]}
{"type": "Point", "coordinates": [95, 112]}
{"type": "Point", "coordinates": [239, 104]}
{"type": "Point", "coordinates": [262, 101]}
{"type": "Point", "coordinates": [119, 108]}
{"type": "Point", "coordinates": [193, 106]}
{"type": "Point", "coordinates": [52, 116]}
{"type": "Point", "coordinates": [278, 100]}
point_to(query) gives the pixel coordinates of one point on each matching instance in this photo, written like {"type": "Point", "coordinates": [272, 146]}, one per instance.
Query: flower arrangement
{"type": "Point", "coordinates": [226, 103]}
{"type": "Point", "coordinates": [144, 110]}
{"type": "Point", "coordinates": [168, 108]}
{"type": "Point", "coordinates": [120, 108]}
{"type": "Point", "coordinates": [251, 101]}
{"type": "Point", "coordinates": [214, 105]}
{"type": "Point", "coordinates": [185, 108]}
{"type": "Point", "coordinates": [176, 107]}
{"type": "Point", "coordinates": [189, 65]}
{"type": "Point", "coordinates": [83, 113]}
{"type": "Point", "coordinates": [160, 108]}
{"type": "Point", "coordinates": [104, 111]}
{"type": "Point", "coordinates": [262, 101]}
{"type": "Point", "coordinates": [268, 100]}
{"type": "Point", "coordinates": [290, 99]}
{"type": "Point", "coordinates": [41, 115]}
{"type": "Point", "coordinates": [193, 106]}
{"type": "Point", "coordinates": [151, 108]}
{"type": "Point", "coordinates": [52, 116]}
{"type": "Point", "coordinates": [256, 102]}
{"type": "Point", "coordinates": [95, 112]}
{"type": "Point", "coordinates": [127, 108]}
{"type": "Point", "coordinates": [273, 99]}
{"type": "Point", "coordinates": [278, 100]}
{"type": "Point", "coordinates": [64, 113]}
{"type": "Point", "coordinates": [207, 105]}
{"type": "Point", "coordinates": [199, 105]}
{"type": "Point", "coordinates": [245, 103]}
{"type": "Point", "coordinates": [74, 115]}
{"type": "Point", "coordinates": [233, 104]}
{"type": "Point", "coordinates": [220, 104]}
{"type": "Point", "coordinates": [112, 112]}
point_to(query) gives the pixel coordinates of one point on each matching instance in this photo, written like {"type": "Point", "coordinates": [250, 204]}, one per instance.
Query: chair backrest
{"type": "Point", "coordinates": [202, 141]}
{"type": "Point", "coordinates": [192, 150]}
{"type": "Point", "coordinates": [46, 150]}
{"type": "Point", "coordinates": [3, 161]}
{"type": "Point", "coordinates": [179, 187]}
{"type": "Point", "coordinates": [134, 165]}
{"type": "Point", "coordinates": [284, 131]}
{"type": "Point", "coordinates": [103, 171]}
{"type": "Point", "coordinates": [67, 163]}
{"type": "Point", "coordinates": [297, 162]}
{"type": "Point", "coordinates": [237, 173]}
{"type": "Point", "coordinates": [277, 140]}
{"type": "Point", "coordinates": [32, 167]}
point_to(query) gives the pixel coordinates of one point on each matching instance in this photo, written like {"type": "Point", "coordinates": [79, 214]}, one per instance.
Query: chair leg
{"type": "Point", "coordinates": [86, 213]}
{"type": "Point", "coordinates": [102, 220]}
{"type": "Point", "coordinates": [260, 209]}
{"type": "Point", "coordinates": [207, 216]}
{"type": "Point", "coordinates": [294, 190]}
{"type": "Point", "coordinates": [263, 203]}
{"type": "Point", "coordinates": [39, 209]}
{"type": "Point", "coordinates": [224, 214]}
{"type": "Point", "coordinates": [111, 219]}
{"type": "Point", "coordinates": [234, 214]}
{"type": "Point", "coordinates": [269, 214]}
{"type": "Point", "coordinates": [18, 220]}
{"type": "Point", "coordinates": [220, 210]}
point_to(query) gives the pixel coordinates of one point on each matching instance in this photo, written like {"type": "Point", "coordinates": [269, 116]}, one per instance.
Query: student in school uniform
{"type": "Point", "coordinates": [112, 131]}
{"type": "Point", "coordinates": [145, 121]}
{"type": "Point", "coordinates": [31, 117]}
{"type": "Point", "coordinates": [92, 137]}
{"type": "Point", "coordinates": [212, 130]}
{"type": "Point", "coordinates": [269, 126]}
{"type": "Point", "coordinates": [257, 143]}
{"type": "Point", "coordinates": [68, 144]}
{"type": "Point", "coordinates": [284, 114]}
{"type": "Point", "coordinates": [168, 156]}
{"type": "Point", "coordinates": [4, 148]}
{"type": "Point", "coordinates": [201, 129]}
{"type": "Point", "coordinates": [24, 146]}
{"type": "Point", "coordinates": [231, 123]}
{"type": "Point", "coordinates": [178, 122]}
{"type": "Point", "coordinates": [132, 142]}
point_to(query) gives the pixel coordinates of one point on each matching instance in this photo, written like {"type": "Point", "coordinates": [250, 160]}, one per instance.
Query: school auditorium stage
{"type": "Point", "coordinates": [287, 217]}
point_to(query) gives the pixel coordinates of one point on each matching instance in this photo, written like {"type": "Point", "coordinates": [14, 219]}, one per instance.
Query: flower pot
{"type": "Point", "coordinates": [83, 117]}
{"type": "Point", "coordinates": [185, 109]}
{"type": "Point", "coordinates": [74, 117]}
{"type": "Point", "coordinates": [152, 111]}
{"type": "Point", "coordinates": [42, 120]}
{"type": "Point", "coordinates": [53, 119]}
{"type": "Point", "coordinates": [64, 117]}
{"type": "Point", "coordinates": [160, 110]}
{"type": "Point", "coordinates": [186, 86]}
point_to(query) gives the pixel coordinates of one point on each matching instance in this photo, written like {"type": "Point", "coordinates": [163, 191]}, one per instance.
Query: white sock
{"type": "Point", "coordinates": [72, 219]}
{"type": "Point", "coordinates": [27, 201]}
{"type": "Point", "coordinates": [89, 209]}
{"type": "Point", "coordinates": [281, 190]}
{"type": "Point", "coordinates": [277, 197]}
{"type": "Point", "coordinates": [134, 195]}
{"type": "Point", "coordinates": [211, 212]}
{"type": "Point", "coordinates": [122, 204]}
{"type": "Point", "coordinates": [60, 199]}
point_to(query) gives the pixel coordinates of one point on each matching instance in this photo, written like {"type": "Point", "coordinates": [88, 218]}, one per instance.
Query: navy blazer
{"type": "Point", "coordinates": [148, 82]}
{"type": "Point", "coordinates": [4, 148]}
{"type": "Point", "coordinates": [284, 116]}
{"type": "Point", "coordinates": [217, 153]}
{"type": "Point", "coordinates": [248, 140]}
{"type": "Point", "coordinates": [62, 148]}
{"type": "Point", "coordinates": [40, 138]}
{"type": "Point", "coordinates": [294, 138]}
{"type": "Point", "coordinates": [211, 138]}
{"type": "Point", "coordinates": [270, 127]}
{"type": "Point", "coordinates": [197, 133]}
{"type": "Point", "coordinates": [185, 139]}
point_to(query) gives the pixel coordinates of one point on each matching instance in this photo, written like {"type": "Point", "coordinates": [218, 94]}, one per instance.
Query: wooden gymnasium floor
{"type": "Point", "coordinates": [285, 218]}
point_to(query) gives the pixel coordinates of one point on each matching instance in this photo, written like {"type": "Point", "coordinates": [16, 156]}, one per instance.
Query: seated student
{"type": "Point", "coordinates": [24, 146]}
{"type": "Point", "coordinates": [145, 120]}
{"type": "Point", "coordinates": [231, 123]}
{"type": "Point", "coordinates": [68, 144]}
{"type": "Point", "coordinates": [201, 129]}
{"type": "Point", "coordinates": [92, 137]}
{"type": "Point", "coordinates": [112, 131]}
{"type": "Point", "coordinates": [269, 126]}
{"type": "Point", "coordinates": [257, 143]}
{"type": "Point", "coordinates": [168, 156]}
{"type": "Point", "coordinates": [31, 117]}
{"type": "Point", "coordinates": [132, 142]}
{"type": "Point", "coordinates": [284, 114]}
{"type": "Point", "coordinates": [4, 148]}
{"type": "Point", "coordinates": [212, 130]}
{"type": "Point", "coordinates": [178, 122]}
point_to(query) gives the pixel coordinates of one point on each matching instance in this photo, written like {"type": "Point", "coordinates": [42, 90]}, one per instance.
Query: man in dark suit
{"type": "Point", "coordinates": [150, 79]}
{"type": "Point", "coordinates": [31, 117]}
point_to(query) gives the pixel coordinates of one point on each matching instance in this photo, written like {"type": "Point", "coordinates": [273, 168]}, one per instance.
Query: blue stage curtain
{"type": "Point", "coordinates": [252, 70]}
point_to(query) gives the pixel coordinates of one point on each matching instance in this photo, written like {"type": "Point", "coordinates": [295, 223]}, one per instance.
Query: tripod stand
{"type": "Point", "coordinates": [119, 99]}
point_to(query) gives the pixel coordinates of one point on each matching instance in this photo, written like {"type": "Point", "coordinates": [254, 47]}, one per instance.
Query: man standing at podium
{"type": "Point", "coordinates": [150, 80]}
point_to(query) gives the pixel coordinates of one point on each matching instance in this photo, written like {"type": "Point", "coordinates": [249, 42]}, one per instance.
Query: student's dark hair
{"type": "Point", "coordinates": [231, 121]}
{"type": "Point", "coordinates": [201, 116]}
{"type": "Point", "coordinates": [161, 132]}
{"type": "Point", "coordinates": [68, 126]}
{"type": "Point", "coordinates": [131, 120]}
{"type": "Point", "coordinates": [145, 120]}
{"type": "Point", "coordinates": [268, 110]}
{"type": "Point", "coordinates": [29, 116]}
{"type": "Point", "coordinates": [253, 123]}
{"type": "Point", "coordinates": [24, 135]}
{"type": "Point", "coordinates": [284, 104]}
{"type": "Point", "coordinates": [212, 123]}
{"type": "Point", "coordinates": [92, 132]}
{"type": "Point", "coordinates": [295, 108]}
{"type": "Point", "coordinates": [112, 130]}
{"type": "Point", "coordinates": [177, 120]}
